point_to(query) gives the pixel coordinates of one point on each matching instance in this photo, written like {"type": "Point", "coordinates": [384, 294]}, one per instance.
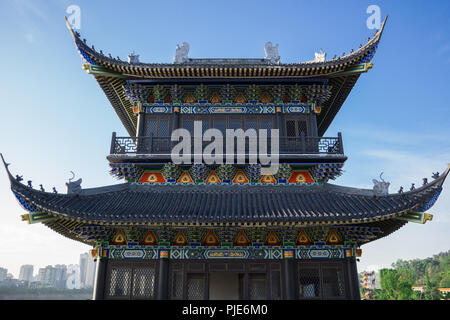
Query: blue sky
{"type": "Point", "coordinates": [55, 118]}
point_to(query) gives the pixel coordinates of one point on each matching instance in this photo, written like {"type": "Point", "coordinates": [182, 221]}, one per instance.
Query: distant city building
{"type": "Point", "coordinates": [35, 284]}
{"type": "Point", "coordinates": [73, 277]}
{"type": "Point", "coordinates": [3, 274]}
{"type": "Point", "coordinates": [87, 270]}
{"type": "Point", "coordinates": [90, 272]}
{"type": "Point", "coordinates": [368, 282]}
{"type": "Point", "coordinates": [53, 276]}
{"type": "Point", "coordinates": [45, 275]}
{"type": "Point", "coordinates": [60, 276]}
{"type": "Point", "coordinates": [26, 273]}
{"type": "Point", "coordinates": [420, 289]}
{"type": "Point", "coordinates": [83, 266]}
{"type": "Point", "coordinates": [444, 291]}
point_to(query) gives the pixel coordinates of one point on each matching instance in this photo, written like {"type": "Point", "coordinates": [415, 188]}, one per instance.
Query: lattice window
{"type": "Point", "coordinates": [195, 287]}
{"type": "Point", "coordinates": [151, 128]}
{"type": "Point", "coordinates": [333, 282]}
{"type": "Point", "coordinates": [157, 126]}
{"type": "Point", "coordinates": [206, 123]}
{"type": "Point", "coordinates": [163, 130]}
{"type": "Point", "coordinates": [177, 285]}
{"type": "Point", "coordinates": [301, 127]}
{"type": "Point", "coordinates": [221, 124]}
{"type": "Point", "coordinates": [295, 128]}
{"type": "Point", "coordinates": [235, 123]}
{"type": "Point", "coordinates": [291, 128]}
{"type": "Point", "coordinates": [257, 288]}
{"type": "Point", "coordinates": [144, 282]}
{"type": "Point", "coordinates": [251, 123]}
{"type": "Point", "coordinates": [266, 124]}
{"type": "Point", "coordinates": [309, 282]}
{"type": "Point", "coordinates": [120, 282]}
{"type": "Point", "coordinates": [275, 285]}
{"type": "Point", "coordinates": [189, 126]}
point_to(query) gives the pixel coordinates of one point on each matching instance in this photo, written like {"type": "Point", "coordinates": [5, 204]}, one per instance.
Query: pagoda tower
{"type": "Point", "coordinates": [231, 229]}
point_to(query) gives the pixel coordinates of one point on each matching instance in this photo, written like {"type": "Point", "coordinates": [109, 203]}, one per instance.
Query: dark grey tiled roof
{"type": "Point", "coordinates": [142, 204]}
{"type": "Point", "coordinates": [90, 55]}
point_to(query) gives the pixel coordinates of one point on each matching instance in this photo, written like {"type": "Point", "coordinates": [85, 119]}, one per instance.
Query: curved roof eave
{"type": "Point", "coordinates": [147, 204]}
{"type": "Point", "coordinates": [162, 70]}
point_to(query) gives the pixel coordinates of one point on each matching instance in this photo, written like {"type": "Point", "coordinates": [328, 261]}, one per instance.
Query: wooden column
{"type": "Point", "coordinates": [280, 124]}
{"type": "Point", "coordinates": [313, 123]}
{"type": "Point", "coordinates": [288, 270]}
{"type": "Point", "coordinates": [140, 124]}
{"type": "Point", "coordinates": [100, 279]}
{"type": "Point", "coordinates": [353, 282]}
{"type": "Point", "coordinates": [356, 293]}
{"type": "Point", "coordinates": [176, 118]}
{"type": "Point", "coordinates": [163, 275]}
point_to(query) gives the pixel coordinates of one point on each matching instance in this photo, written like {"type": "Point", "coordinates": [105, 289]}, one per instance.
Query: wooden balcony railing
{"type": "Point", "coordinates": [287, 145]}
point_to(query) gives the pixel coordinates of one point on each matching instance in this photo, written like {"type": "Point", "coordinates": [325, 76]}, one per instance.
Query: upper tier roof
{"type": "Point", "coordinates": [228, 68]}
{"type": "Point", "coordinates": [112, 74]}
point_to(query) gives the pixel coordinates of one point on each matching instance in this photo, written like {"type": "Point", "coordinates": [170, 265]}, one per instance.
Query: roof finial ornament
{"type": "Point", "coordinates": [380, 188]}
{"type": "Point", "coordinates": [412, 187]}
{"type": "Point", "coordinates": [425, 181]}
{"type": "Point", "coordinates": [435, 175]}
{"type": "Point", "coordinates": [181, 53]}
{"type": "Point", "coordinates": [54, 190]}
{"type": "Point", "coordinates": [133, 58]}
{"type": "Point", "coordinates": [30, 184]}
{"type": "Point", "coordinates": [75, 186]}
{"type": "Point", "coordinates": [42, 188]}
{"type": "Point", "coordinates": [400, 190]}
{"type": "Point", "coordinates": [320, 56]}
{"type": "Point", "coordinates": [19, 178]}
{"type": "Point", "coordinates": [272, 52]}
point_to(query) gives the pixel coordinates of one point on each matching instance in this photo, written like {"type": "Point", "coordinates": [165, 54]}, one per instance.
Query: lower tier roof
{"type": "Point", "coordinates": [317, 204]}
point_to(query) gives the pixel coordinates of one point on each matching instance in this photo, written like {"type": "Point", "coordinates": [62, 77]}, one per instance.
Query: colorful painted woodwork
{"type": "Point", "coordinates": [211, 239]}
{"type": "Point", "coordinates": [333, 238]}
{"type": "Point", "coordinates": [150, 239]}
{"type": "Point", "coordinates": [297, 177]}
{"type": "Point", "coordinates": [241, 239]}
{"type": "Point", "coordinates": [119, 238]}
{"type": "Point", "coordinates": [180, 239]}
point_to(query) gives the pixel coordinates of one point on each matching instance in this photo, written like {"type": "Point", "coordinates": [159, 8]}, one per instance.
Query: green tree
{"type": "Point", "coordinates": [396, 285]}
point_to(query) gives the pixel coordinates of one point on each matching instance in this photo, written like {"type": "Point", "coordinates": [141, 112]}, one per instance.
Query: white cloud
{"type": "Point", "coordinates": [407, 167]}
{"type": "Point", "coordinates": [28, 9]}
{"type": "Point", "coordinates": [372, 267]}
